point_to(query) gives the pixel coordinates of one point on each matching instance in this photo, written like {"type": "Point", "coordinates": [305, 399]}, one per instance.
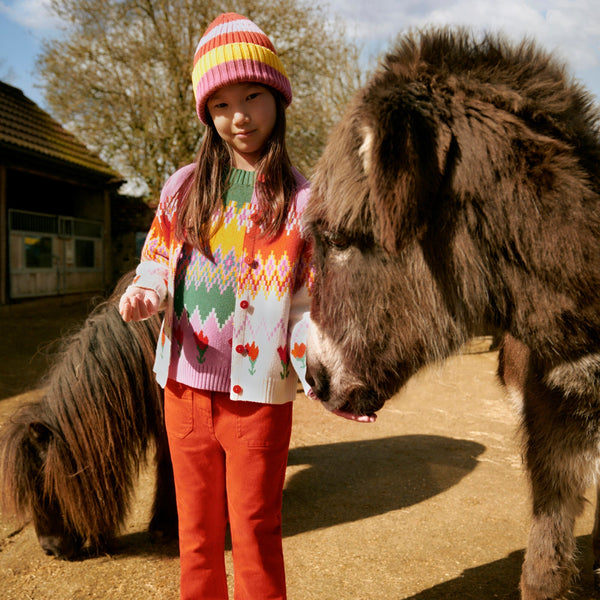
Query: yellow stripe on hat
{"type": "Point", "coordinates": [237, 51]}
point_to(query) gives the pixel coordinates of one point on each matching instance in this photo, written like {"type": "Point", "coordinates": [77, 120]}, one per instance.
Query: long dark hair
{"type": "Point", "coordinates": [275, 185]}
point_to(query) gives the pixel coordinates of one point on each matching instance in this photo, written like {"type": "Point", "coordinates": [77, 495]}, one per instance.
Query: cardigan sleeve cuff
{"type": "Point", "coordinates": [152, 276]}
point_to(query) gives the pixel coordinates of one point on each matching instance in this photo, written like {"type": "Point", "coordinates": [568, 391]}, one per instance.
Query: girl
{"type": "Point", "coordinates": [227, 259]}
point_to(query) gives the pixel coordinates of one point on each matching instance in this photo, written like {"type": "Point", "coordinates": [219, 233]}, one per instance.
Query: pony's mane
{"type": "Point", "coordinates": [93, 421]}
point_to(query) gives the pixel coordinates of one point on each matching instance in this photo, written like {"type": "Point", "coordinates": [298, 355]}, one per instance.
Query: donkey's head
{"type": "Point", "coordinates": [377, 312]}
{"type": "Point", "coordinates": [459, 190]}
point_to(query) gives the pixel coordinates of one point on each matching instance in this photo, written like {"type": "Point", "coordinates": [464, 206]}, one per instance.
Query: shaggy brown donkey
{"type": "Point", "coordinates": [461, 190]}
{"type": "Point", "coordinates": [69, 461]}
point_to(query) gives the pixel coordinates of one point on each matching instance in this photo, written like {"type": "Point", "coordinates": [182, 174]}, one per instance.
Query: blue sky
{"type": "Point", "coordinates": [569, 27]}
{"type": "Point", "coordinates": [23, 26]}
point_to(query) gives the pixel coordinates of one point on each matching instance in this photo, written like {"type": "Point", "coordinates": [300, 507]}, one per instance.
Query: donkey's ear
{"type": "Point", "coordinates": [39, 434]}
{"type": "Point", "coordinates": [403, 154]}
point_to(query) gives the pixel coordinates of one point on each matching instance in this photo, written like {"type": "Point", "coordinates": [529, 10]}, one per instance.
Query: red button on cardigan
{"type": "Point", "coordinates": [237, 389]}
{"type": "Point", "coordinates": [244, 304]}
{"type": "Point", "coordinates": [240, 349]}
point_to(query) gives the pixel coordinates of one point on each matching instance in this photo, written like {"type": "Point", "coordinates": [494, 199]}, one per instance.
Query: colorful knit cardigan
{"type": "Point", "coordinates": [272, 300]}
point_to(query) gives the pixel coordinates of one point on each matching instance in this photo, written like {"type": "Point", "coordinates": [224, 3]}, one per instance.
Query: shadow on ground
{"type": "Point", "coordinates": [350, 481]}
{"type": "Point", "coordinates": [496, 580]}
{"type": "Point", "coordinates": [500, 580]}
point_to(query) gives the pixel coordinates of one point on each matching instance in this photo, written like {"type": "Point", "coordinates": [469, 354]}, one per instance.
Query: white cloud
{"type": "Point", "coordinates": [34, 14]}
{"type": "Point", "coordinates": [571, 28]}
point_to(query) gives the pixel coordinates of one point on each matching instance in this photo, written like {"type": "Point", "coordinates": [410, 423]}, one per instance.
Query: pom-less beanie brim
{"type": "Point", "coordinates": [234, 50]}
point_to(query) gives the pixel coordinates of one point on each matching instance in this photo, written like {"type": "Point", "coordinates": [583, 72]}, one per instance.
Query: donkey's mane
{"type": "Point", "coordinates": [521, 78]}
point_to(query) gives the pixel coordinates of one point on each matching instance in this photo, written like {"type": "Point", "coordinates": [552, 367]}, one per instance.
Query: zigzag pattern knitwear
{"type": "Point", "coordinates": [233, 50]}
{"type": "Point", "coordinates": [205, 291]}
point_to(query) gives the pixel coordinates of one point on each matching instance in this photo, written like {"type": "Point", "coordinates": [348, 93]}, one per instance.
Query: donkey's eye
{"type": "Point", "coordinates": [336, 239]}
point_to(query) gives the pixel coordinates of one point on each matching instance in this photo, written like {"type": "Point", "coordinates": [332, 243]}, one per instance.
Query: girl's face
{"type": "Point", "coordinates": [244, 115]}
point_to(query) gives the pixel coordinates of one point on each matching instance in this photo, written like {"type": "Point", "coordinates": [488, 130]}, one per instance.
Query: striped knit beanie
{"type": "Point", "coordinates": [233, 50]}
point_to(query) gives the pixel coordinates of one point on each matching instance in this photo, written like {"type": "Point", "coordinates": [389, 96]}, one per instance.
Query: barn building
{"type": "Point", "coordinates": [55, 206]}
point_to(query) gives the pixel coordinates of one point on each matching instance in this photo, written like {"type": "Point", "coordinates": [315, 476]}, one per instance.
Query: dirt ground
{"type": "Point", "coordinates": [428, 503]}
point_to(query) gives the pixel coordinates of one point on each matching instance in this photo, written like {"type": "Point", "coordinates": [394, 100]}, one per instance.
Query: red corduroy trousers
{"type": "Point", "coordinates": [229, 460]}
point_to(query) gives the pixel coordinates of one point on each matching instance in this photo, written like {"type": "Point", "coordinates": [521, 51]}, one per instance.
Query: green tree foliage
{"type": "Point", "coordinates": [120, 77]}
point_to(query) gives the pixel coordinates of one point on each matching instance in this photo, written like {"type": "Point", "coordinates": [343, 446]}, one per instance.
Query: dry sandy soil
{"type": "Point", "coordinates": [428, 503]}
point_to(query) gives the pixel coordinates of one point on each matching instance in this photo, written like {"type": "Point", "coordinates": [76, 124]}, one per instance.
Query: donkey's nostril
{"type": "Point", "coordinates": [319, 382]}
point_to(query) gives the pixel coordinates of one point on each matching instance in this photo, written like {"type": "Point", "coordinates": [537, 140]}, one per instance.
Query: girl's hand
{"type": "Point", "coordinates": [138, 303]}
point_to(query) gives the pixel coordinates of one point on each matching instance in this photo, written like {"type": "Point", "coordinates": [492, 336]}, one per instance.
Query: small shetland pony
{"type": "Point", "coordinates": [69, 461]}
{"type": "Point", "coordinates": [460, 192]}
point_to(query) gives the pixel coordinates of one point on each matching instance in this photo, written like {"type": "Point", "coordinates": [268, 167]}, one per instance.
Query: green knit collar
{"type": "Point", "coordinates": [241, 177]}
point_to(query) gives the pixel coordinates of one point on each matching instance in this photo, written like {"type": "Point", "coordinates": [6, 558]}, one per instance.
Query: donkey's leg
{"type": "Point", "coordinates": [558, 447]}
{"type": "Point", "coordinates": [549, 564]}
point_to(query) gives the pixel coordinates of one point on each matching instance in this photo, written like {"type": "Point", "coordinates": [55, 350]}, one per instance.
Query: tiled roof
{"type": "Point", "coordinates": [24, 126]}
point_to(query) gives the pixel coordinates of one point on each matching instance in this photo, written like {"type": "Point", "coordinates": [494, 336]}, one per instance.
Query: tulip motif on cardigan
{"type": "Point", "coordinates": [299, 353]}
{"type": "Point", "coordinates": [285, 361]}
{"type": "Point", "coordinates": [252, 350]}
{"type": "Point", "coordinates": [201, 344]}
